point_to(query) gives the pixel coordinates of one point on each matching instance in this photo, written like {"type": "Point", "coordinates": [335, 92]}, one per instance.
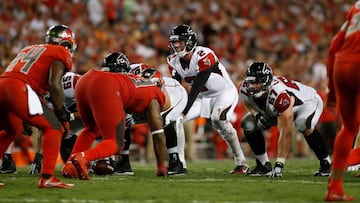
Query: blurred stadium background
{"type": "Point", "coordinates": [292, 36]}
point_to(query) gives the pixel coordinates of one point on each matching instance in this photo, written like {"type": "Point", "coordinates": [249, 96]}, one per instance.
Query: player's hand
{"type": "Point", "coordinates": [35, 168]}
{"type": "Point", "coordinates": [277, 170]}
{"type": "Point", "coordinates": [69, 170]}
{"type": "Point", "coordinates": [261, 121]}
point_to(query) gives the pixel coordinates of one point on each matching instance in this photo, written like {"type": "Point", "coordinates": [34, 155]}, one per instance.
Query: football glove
{"type": "Point", "coordinates": [35, 167]}
{"type": "Point", "coordinates": [277, 170]}
{"type": "Point", "coordinates": [69, 170]}
{"type": "Point", "coordinates": [262, 121]}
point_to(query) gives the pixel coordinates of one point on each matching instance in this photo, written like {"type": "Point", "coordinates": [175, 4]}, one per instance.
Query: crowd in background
{"type": "Point", "coordinates": [292, 36]}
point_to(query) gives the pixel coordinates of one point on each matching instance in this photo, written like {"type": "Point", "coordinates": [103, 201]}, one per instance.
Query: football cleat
{"type": "Point", "coordinates": [81, 165]}
{"type": "Point", "coordinates": [123, 167]}
{"type": "Point", "coordinates": [277, 171]}
{"type": "Point", "coordinates": [8, 164]}
{"type": "Point", "coordinates": [355, 167]}
{"type": "Point", "coordinates": [241, 169]}
{"type": "Point", "coordinates": [2, 185]}
{"type": "Point", "coordinates": [333, 197]}
{"type": "Point", "coordinates": [176, 168]}
{"type": "Point", "coordinates": [53, 182]}
{"type": "Point", "coordinates": [324, 170]}
{"type": "Point", "coordinates": [260, 170]}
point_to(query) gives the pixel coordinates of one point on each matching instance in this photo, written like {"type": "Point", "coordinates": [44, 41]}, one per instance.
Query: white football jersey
{"type": "Point", "coordinates": [202, 59]}
{"type": "Point", "coordinates": [280, 89]}
{"type": "Point", "coordinates": [69, 81]}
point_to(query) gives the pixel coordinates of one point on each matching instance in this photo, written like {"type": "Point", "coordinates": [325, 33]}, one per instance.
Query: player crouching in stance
{"type": "Point", "coordinates": [102, 98]}
{"type": "Point", "coordinates": [273, 100]}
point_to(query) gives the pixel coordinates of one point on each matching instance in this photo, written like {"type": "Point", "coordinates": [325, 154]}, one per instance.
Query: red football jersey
{"type": "Point", "coordinates": [350, 49]}
{"type": "Point", "coordinates": [32, 65]}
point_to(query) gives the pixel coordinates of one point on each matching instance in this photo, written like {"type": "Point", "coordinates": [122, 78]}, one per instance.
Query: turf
{"type": "Point", "coordinates": [206, 181]}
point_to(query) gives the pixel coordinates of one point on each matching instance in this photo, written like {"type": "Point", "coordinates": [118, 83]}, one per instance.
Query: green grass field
{"type": "Point", "coordinates": [206, 181]}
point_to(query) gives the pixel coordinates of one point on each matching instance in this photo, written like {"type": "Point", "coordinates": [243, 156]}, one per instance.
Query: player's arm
{"type": "Point", "coordinates": [155, 122]}
{"type": "Point", "coordinates": [285, 123]}
{"type": "Point", "coordinates": [335, 45]}
{"type": "Point", "coordinates": [56, 92]}
{"type": "Point", "coordinates": [197, 85]}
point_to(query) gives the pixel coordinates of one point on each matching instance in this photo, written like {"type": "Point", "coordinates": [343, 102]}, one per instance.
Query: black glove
{"type": "Point", "coordinates": [27, 129]}
{"type": "Point", "coordinates": [62, 115]}
{"type": "Point", "coordinates": [261, 121]}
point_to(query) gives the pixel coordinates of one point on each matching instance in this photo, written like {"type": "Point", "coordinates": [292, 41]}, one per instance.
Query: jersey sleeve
{"type": "Point", "coordinates": [282, 102]}
{"type": "Point", "coordinates": [206, 62]}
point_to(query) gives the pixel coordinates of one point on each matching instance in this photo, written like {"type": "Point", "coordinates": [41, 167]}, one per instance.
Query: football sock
{"type": "Point", "coordinates": [170, 134]}
{"type": "Point", "coordinates": [127, 140]}
{"type": "Point", "coordinates": [51, 146]}
{"type": "Point", "coordinates": [103, 149]}
{"type": "Point", "coordinates": [263, 158]}
{"type": "Point", "coordinates": [317, 144]}
{"type": "Point", "coordinates": [257, 142]}
{"type": "Point", "coordinates": [342, 146]}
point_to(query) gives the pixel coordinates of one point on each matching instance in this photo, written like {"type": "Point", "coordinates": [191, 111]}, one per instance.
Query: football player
{"type": "Point", "coordinates": [37, 70]}
{"type": "Point", "coordinates": [174, 131]}
{"type": "Point", "coordinates": [103, 113]}
{"type": "Point", "coordinates": [278, 101]}
{"type": "Point", "coordinates": [343, 74]}
{"type": "Point", "coordinates": [213, 95]}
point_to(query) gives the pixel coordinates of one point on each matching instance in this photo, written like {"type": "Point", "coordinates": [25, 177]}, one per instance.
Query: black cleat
{"type": "Point", "coordinates": [324, 170]}
{"type": "Point", "coordinates": [123, 167]}
{"type": "Point", "coordinates": [176, 168]}
{"type": "Point", "coordinates": [260, 170]}
{"type": "Point", "coordinates": [8, 164]}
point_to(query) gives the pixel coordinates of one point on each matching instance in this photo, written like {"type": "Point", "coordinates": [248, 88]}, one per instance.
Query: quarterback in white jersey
{"type": "Point", "coordinates": [213, 94]}
{"type": "Point", "coordinates": [174, 132]}
{"type": "Point", "coordinates": [274, 100]}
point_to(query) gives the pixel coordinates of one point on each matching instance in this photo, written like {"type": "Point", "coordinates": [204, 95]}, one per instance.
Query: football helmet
{"type": "Point", "coordinates": [138, 68]}
{"type": "Point", "coordinates": [183, 33]}
{"type": "Point", "coordinates": [61, 35]}
{"type": "Point", "coordinates": [116, 62]}
{"type": "Point", "coordinates": [258, 72]}
{"type": "Point", "coordinates": [147, 72]}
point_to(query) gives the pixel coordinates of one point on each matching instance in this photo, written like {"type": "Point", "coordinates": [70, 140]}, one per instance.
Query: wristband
{"type": "Point", "coordinates": [157, 131]}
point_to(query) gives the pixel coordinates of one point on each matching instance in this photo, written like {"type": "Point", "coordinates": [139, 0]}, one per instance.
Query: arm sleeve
{"type": "Point", "coordinates": [198, 83]}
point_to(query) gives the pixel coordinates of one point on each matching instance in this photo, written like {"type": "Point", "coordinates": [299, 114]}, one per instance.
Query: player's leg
{"type": "Point", "coordinates": [256, 141]}
{"type": "Point", "coordinates": [347, 103]}
{"type": "Point", "coordinates": [223, 108]}
{"type": "Point", "coordinates": [305, 121]}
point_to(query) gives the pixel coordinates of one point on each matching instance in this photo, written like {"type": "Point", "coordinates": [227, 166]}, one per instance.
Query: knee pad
{"type": "Point", "coordinates": [248, 123]}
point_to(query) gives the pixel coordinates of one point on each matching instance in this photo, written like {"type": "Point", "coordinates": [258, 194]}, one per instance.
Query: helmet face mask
{"type": "Point", "coordinates": [61, 35]}
{"type": "Point", "coordinates": [182, 33]}
{"type": "Point", "coordinates": [116, 62]}
{"type": "Point", "coordinates": [258, 79]}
